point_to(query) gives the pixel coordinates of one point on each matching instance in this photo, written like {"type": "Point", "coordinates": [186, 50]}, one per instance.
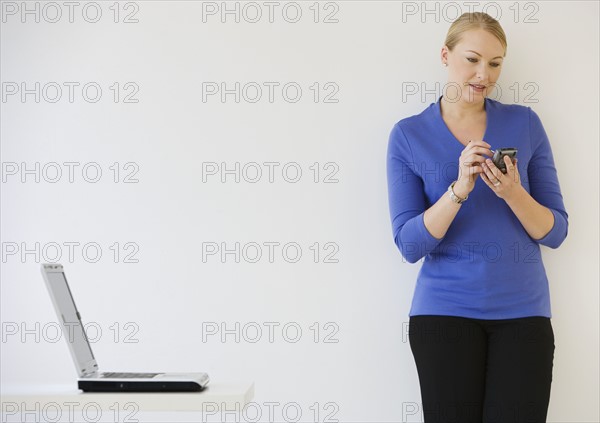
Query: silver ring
{"type": "Point", "coordinates": [497, 183]}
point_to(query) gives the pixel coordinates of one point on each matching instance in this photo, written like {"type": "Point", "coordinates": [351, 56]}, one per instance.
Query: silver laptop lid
{"type": "Point", "coordinates": [69, 319]}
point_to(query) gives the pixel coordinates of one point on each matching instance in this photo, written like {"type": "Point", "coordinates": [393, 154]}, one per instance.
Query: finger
{"type": "Point", "coordinates": [472, 167]}
{"type": "Point", "coordinates": [473, 158]}
{"type": "Point", "coordinates": [492, 173]}
{"type": "Point", "coordinates": [480, 150]}
{"type": "Point", "coordinates": [493, 169]}
{"type": "Point", "coordinates": [478, 143]}
{"type": "Point", "coordinates": [478, 168]}
{"type": "Point", "coordinates": [486, 180]}
{"type": "Point", "coordinates": [511, 167]}
{"type": "Point", "coordinates": [475, 169]}
{"type": "Point", "coordinates": [484, 169]}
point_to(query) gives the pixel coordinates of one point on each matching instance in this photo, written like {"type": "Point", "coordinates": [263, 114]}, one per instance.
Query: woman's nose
{"type": "Point", "coordinates": [482, 72]}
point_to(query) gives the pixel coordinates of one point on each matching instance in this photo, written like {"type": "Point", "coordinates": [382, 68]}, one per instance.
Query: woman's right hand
{"type": "Point", "coordinates": [469, 166]}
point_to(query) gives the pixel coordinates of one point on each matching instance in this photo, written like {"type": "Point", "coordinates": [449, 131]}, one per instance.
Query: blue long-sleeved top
{"type": "Point", "coordinates": [486, 266]}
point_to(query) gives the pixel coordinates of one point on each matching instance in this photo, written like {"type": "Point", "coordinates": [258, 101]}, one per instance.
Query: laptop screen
{"type": "Point", "coordinates": [70, 321]}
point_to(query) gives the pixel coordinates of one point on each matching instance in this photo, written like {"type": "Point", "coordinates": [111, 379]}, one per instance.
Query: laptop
{"type": "Point", "coordinates": [90, 379]}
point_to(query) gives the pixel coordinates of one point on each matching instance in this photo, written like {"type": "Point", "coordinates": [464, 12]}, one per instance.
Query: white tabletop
{"type": "Point", "coordinates": [214, 396]}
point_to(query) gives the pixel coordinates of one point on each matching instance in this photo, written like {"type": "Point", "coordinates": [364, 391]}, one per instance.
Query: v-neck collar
{"type": "Point", "coordinates": [438, 117]}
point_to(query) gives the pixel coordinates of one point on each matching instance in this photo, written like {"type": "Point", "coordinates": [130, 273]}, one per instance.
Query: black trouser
{"type": "Point", "coordinates": [473, 370]}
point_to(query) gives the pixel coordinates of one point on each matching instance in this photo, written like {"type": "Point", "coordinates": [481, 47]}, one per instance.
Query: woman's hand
{"type": "Point", "coordinates": [503, 185]}
{"type": "Point", "coordinates": [469, 165]}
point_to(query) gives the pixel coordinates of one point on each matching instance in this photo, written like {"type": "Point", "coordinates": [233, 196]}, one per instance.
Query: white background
{"type": "Point", "coordinates": [372, 55]}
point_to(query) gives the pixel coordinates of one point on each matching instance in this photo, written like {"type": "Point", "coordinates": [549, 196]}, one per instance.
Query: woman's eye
{"type": "Point", "coordinates": [473, 60]}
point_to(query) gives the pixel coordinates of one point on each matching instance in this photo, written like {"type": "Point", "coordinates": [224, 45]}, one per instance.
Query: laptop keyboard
{"type": "Point", "coordinates": [129, 375]}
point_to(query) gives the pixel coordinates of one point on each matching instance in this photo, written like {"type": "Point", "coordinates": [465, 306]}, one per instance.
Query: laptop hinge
{"type": "Point", "coordinates": [90, 373]}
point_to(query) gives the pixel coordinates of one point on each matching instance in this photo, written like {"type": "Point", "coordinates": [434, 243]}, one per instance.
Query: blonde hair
{"type": "Point", "coordinates": [474, 20]}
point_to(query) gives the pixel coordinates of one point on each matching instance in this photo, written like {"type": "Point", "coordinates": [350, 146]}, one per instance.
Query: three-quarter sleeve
{"type": "Point", "coordinates": [543, 182]}
{"type": "Point", "coordinates": [407, 202]}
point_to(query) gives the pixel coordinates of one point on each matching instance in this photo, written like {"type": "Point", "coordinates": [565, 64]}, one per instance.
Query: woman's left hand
{"type": "Point", "coordinates": [503, 185]}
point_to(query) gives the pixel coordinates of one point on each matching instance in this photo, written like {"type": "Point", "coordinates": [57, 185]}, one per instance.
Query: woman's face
{"type": "Point", "coordinates": [476, 59]}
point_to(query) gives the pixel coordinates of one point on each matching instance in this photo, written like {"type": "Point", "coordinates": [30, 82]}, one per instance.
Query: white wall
{"type": "Point", "coordinates": [369, 56]}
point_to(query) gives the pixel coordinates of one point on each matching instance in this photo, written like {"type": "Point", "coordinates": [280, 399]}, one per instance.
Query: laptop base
{"type": "Point", "coordinates": [138, 386]}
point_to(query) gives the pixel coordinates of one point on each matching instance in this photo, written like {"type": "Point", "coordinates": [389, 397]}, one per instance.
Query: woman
{"type": "Point", "coordinates": [479, 326]}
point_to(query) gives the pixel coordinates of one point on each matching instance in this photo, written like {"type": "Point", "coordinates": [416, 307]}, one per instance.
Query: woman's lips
{"type": "Point", "coordinates": [477, 87]}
